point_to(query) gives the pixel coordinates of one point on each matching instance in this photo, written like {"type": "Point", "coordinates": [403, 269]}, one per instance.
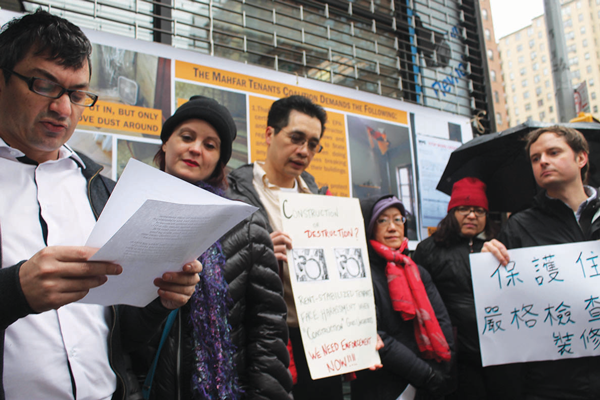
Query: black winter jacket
{"type": "Point", "coordinates": [548, 222]}
{"type": "Point", "coordinates": [131, 326]}
{"type": "Point", "coordinates": [450, 270]}
{"type": "Point", "coordinates": [257, 317]}
{"type": "Point", "coordinates": [400, 355]}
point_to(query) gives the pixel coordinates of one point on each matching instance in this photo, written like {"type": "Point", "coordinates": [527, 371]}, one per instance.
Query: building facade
{"type": "Point", "coordinates": [527, 68]}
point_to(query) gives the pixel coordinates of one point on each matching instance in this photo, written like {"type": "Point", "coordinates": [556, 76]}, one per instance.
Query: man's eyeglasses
{"type": "Point", "coordinates": [478, 211]}
{"type": "Point", "coordinates": [386, 221]}
{"type": "Point", "coordinates": [299, 139]}
{"type": "Point", "coordinates": [53, 90]}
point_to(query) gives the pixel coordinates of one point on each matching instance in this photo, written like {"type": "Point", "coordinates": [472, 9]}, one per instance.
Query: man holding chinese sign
{"type": "Point", "coordinates": [295, 126]}
{"type": "Point", "coordinates": [565, 212]}
{"type": "Point", "coordinates": [51, 196]}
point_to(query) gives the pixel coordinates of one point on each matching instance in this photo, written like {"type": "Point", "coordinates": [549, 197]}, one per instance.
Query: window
{"type": "Point", "coordinates": [514, 98]}
{"type": "Point", "coordinates": [535, 66]}
{"type": "Point", "coordinates": [493, 74]}
{"type": "Point", "coordinates": [566, 11]}
{"type": "Point", "coordinates": [513, 87]}
{"type": "Point", "coordinates": [484, 12]}
{"type": "Point", "coordinates": [533, 55]}
{"type": "Point", "coordinates": [547, 83]}
{"type": "Point", "coordinates": [488, 35]}
{"type": "Point", "coordinates": [518, 36]}
{"type": "Point", "coordinates": [526, 94]}
{"type": "Point", "coordinates": [591, 82]}
{"type": "Point", "coordinates": [512, 76]}
{"type": "Point", "coordinates": [524, 83]}
{"type": "Point", "coordinates": [584, 43]}
{"type": "Point", "coordinates": [570, 35]}
{"type": "Point", "coordinates": [542, 116]}
{"type": "Point", "coordinates": [579, 4]}
{"type": "Point", "coordinates": [550, 109]}
{"type": "Point", "coordinates": [540, 32]}
{"type": "Point", "coordinates": [576, 74]}
{"type": "Point", "coordinates": [507, 53]}
{"type": "Point", "coordinates": [498, 119]}
{"type": "Point", "coordinates": [540, 102]}
{"type": "Point", "coordinates": [538, 23]}
{"type": "Point", "coordinates": [538, 90]}
{"type": "Point", "coordinates": [536, 79]}
{"type": "Point", "coordinates": [496, 96]}
{"type": "Point", "coordinates": [580, 17]}
{"type": "Point", "coordinates": [595, 109]}
{"type": "Point", "coordinates": [549, 96]}
{"type": "Point", "coordinates": [523, 71]}
{"type": "Point", "coordinates": [528, 107]}
{"type": "Point", "coordinates": [593, 95]}
{"type": "Point", "coordinates": [572, 48]}
{"type": "Point", "coordinates": [506, 41]}
{"type": "Point", "coordinates": [573, 61]}
{"type": "Point", "coordinates": [520, 48]}
{"type": "Point", "coordinates": [542, 47]}
{"type": "Point", "coordinates": [521, 60]}
{"type": "Point", "coordinates": [516, 110]}
{"type": "Point", "coordinates": [568, 23]}
{"type": "Point", "coordinates": [510, 64]}
{"type": "Point", "coordinates": [586, 56]}
{"type": "Point", "coordinates": [529, 31]}
{"type": "Point", "coordinates": [545, 71]}
{"type": "Point", "coordinates": [544, 58]}
{"type": "Point", "coordinates": [588, 69]}
{"type": "Point", "coordinates": [490, 54]}
{"type": "Point", "coordinates": [582, 30]}
{"type": "Point", "coordinates": [518, 121]}
{"type": "Point", "coordinates": [531, 43]}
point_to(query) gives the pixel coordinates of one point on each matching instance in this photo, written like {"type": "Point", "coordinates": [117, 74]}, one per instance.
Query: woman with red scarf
{"type": "Point", "coordinates": [411, 318]}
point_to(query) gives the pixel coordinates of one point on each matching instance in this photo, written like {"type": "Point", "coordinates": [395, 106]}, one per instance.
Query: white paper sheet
{"type": "Point", "coordinates": [154, 223]}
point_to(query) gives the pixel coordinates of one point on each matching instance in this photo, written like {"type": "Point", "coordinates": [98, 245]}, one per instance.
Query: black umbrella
{"type": "Point", "coordinates": [499, 160]}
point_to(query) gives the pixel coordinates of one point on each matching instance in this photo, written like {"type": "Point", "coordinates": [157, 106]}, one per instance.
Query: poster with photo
{"type": "Point", "coordinates": [331, 282]}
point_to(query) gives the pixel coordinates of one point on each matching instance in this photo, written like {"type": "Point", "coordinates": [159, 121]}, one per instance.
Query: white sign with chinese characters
{"type": "Point", "coordinates": [544, 305]}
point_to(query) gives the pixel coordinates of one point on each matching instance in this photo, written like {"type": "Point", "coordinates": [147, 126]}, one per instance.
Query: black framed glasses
{"type": "Point", "coordinates": [299, 139]}
{"type": "Point", "coordinates": [53, 90]}
{"type": "Point", "coordinates": [478, 211]}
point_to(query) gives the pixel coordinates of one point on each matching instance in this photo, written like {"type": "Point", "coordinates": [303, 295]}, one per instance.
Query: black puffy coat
{"type": "Point", "coordinates": [550, 221]}
{"type": "Point", "coordinates": [402, 364]}
{"type": "Point", "coordinates": [451, 273]}
{"type": "Point", "coordinates": [257, 316]}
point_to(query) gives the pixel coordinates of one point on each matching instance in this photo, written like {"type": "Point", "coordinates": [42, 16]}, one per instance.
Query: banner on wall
{"type": "Point", "coordinates": [368, 145]}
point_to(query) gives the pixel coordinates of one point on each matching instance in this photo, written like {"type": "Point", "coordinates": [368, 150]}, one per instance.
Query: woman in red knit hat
{"type": "Point", "coordinates": [445, 255]}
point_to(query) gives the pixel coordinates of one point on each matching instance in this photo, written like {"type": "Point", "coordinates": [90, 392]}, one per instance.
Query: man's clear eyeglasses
{"type": "Point", "coordinates": [478, 211]}
{"type": "Point", "coordinates": [386, 221]}
{"type": "Point", "coordinates": [53, 90]}
{"type": "Point", "coordinates": [299, 139]}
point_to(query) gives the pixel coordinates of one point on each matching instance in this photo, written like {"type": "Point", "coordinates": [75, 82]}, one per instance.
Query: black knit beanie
{"type": "Point", "coordinates": [209, 110]}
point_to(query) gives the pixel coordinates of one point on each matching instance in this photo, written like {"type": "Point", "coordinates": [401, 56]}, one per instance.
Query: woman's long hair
{"type": "Point", "coordinates": [448, 231]}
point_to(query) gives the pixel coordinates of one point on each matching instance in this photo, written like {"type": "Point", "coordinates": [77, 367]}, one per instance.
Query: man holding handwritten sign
{"type": "Point", "coordinates": [565, 212]}
{"type": "Point", "coordinates": [295, 126]}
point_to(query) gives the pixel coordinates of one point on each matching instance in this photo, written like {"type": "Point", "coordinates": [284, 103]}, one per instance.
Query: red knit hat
{"type": "Point", "coordinates": [468, 192]}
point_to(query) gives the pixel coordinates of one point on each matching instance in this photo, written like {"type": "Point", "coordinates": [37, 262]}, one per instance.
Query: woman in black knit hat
{"type": "Point", "coordinates": [228, 342]}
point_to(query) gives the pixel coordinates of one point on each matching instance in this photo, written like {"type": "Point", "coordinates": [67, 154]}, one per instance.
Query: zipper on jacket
{"type": "Point", "coordinates": [470, 245]}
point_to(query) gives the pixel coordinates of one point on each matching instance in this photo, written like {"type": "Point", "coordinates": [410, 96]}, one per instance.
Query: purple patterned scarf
{"type": "Point", "coordinates": [215, 376]}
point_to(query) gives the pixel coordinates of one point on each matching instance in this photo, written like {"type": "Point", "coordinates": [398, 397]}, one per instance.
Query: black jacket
{"type": "Point", "coordinates": [130, 327]}
{"type": "Point", "coordinates": [551, 221]}
{"type": "Point", "coordinates": [257, 317]}
{"type": "Point", "coordinates": [450, 270]}
{"type": "Point", "coordinates": [402, 364]}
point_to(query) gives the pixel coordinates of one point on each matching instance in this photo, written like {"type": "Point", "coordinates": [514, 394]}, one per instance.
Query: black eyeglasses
{"type": "Point", "coordinates": [299, 139]}
{"type": "Point", "coordinates": [53, 90]}
{"type": "Point", "coordinates": [478, 211]}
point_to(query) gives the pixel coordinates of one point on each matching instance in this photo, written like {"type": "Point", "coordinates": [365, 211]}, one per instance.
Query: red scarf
{"type": "Point", "coordinates": [410, 299]}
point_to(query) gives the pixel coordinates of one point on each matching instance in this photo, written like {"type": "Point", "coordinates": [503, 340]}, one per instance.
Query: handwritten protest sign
{"type": "Point", "coordinates": [331, 281]}
{"type": "Point", "coordinates": [544, 305]}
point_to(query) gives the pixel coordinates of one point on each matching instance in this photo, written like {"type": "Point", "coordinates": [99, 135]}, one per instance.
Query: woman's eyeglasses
{"type": "Point", "coordinates": [478, 211]}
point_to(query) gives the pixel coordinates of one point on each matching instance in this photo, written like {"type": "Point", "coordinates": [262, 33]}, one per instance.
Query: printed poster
{"type": "Point", "coordinates": [544, 305]}
{"type": "Point", "coordinates": [331, 280]}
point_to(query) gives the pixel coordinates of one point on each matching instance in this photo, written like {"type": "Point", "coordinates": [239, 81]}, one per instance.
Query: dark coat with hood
{"type": "Point", "coordinates": [550, 221]}
{"type": "Point", "coordinates": [402, 364]}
